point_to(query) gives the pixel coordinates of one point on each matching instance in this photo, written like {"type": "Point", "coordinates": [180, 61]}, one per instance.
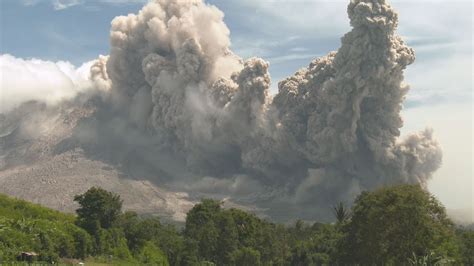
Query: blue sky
{"type": "Point", "coordinates": [289, 34]}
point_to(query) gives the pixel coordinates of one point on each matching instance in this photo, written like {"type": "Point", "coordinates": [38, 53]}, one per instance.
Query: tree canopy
{"type": "Point", "coordinates": [98, 209]}
{"type": "Point", "coordinates": [390, 224]}
{"type": "Point", "coordinates": [399, 225]}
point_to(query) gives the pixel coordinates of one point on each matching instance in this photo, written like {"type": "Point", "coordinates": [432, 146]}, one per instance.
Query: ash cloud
{"type": "Point", "coordinates": [182, 109]}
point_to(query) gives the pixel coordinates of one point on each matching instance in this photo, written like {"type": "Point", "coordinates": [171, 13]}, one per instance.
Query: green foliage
{"type": "Point", "coordinates": [18, 209]}
{"type": "Point", "coordinates": [466, 245]}
{"type": "Point", "coordinates": [26, 227]}
{"type": "Point", "coordinates": [189, 254]}
{"type": "Point", "coordinates": [431, 259]}
{"type": "Point", "coordinates": [221, 234]}
{"type": "Point", "coordinates": [112, 242]}
{"type": "Point", "coordinates": [83, 243]}
{"type": "Point", "coordinates": [227, 241]}
{"type": "Point", "coordinates": [29, 227]}
{"type": "Point", "coordinates": [401, 225]}
{"type": "Point", "coordinates": [313, 245]}
{"type": "Point", "coordinates": [172, 243]}
{"type": "Point", "coordinates": [98, 209]}
{"type": "Point", "coordinates": [201, 227]}
{"type": "Point", "coordinates": [246, 257]}
{"type": "Point", "coordinates": [140, 231]}
{"type": "Point", "coordinates": [152, 255]}
{"type": "Point", "coordinates": [390, 224]}
{"type": "Point", "coordinates": [341, 213]}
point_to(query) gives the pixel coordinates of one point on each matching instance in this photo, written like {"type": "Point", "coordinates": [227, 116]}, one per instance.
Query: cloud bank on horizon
{"type": "Point", "coordinates": [330, 132]}
{"type": "Point", "coordinates": [39, 80]}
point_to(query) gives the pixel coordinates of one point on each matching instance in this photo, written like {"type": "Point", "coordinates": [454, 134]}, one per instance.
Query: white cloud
{"type": "Point", "coordinates": [121, 2]}
{"type": "Point", "coordinates": [33, 79]}
{"type": "Point", "coordinates": [29, 2]}
{"type": "Point", "coordinates": [63, 4]}
{"type": "Point", "coordinates": [289, 57]}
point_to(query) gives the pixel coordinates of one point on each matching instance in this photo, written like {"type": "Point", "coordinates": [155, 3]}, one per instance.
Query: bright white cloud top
{"type": "Point", "coordinates": [38, 80]}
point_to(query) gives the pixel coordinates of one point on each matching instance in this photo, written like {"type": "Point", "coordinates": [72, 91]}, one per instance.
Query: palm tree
{"type": "Point", "coordinates": [341, 213]}
{"type": "Point", "coordinates": [430, 259]}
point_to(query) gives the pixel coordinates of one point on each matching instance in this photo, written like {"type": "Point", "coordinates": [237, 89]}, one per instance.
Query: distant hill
{"type": "Point", "coordinates": [33, 233]}
{"type": "Point", "coordinates": [39, 162]}
{"type": "Point", "coordinates": [31, 228]}
{"type": "Point", "coordinates": [12, 208]}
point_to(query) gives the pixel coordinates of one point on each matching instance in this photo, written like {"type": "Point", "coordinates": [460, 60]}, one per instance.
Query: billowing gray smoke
{"type": "Point", "coordinates": [178, 94]}
{"type": "Point", "coordinates": [330, 132]}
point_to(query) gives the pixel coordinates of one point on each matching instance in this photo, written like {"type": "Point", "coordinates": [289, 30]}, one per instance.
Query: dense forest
{"type": "Point", "coordinates": [399, 225]}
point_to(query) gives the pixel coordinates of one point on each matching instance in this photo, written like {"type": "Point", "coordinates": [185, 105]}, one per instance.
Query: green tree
{"type": "Point", "coordinates": [170, 242]}
{"type": "Point", "coordinates": [138, 230]}
{"type": "Point", "coordinates": [430, 259]}
{"type": "Point", "coordinates": [201, 227]}
{"type": "Point", "coordinates": [246, 257]}
{"type": "Point", "coordinates": [391, 224]}
{"type": "Point", "coordinates": [98, 208]}
{"type": "Point", "coordinates": [248, 228]}
{"type": "Point", "coordinates": [301, 255]}
{"type": "Point", "coordinates": [188, 256]}
{"type": "Point", "coordinates": [227, 241]}
{"type": "Point", "coordinates": [128, 221]}
{"type": "Point", "coordinates": [152, 255]}
{"type": "Point", "coordinates": [314, 245]}
{"type": "Point", "coordinates": [341, 213]}
{"type": "Point", "coordinates": [466, 239]}
{"type": "Point", "coordinates": [83, 243]}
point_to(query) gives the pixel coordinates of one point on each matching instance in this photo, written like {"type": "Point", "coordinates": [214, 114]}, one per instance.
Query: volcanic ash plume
{"type": "Point", "coordinates": [171, 66]}
{"type": "Point", "coordinates": [330, 132]}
